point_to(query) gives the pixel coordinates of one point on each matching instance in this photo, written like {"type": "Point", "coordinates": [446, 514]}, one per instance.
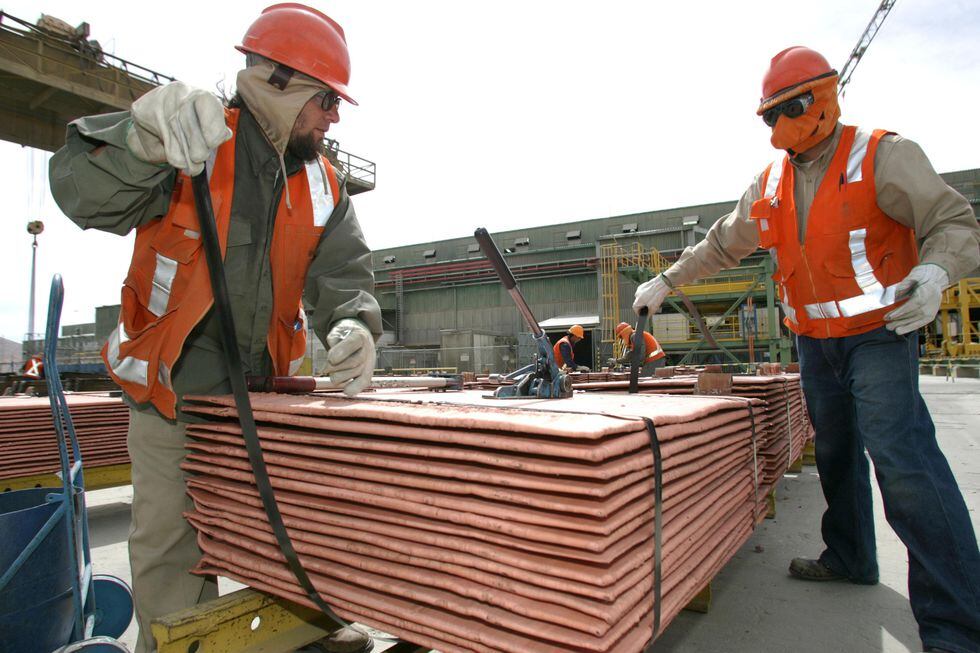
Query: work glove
{"type": "Point", "coordinates": [351, 357]}
{"type": "Point", "coordinates": [583, 368]}
{"type": "Point", "coordinates": [923, 287]}
{"type": "Point", "coordinates": [651, 294]}
{"type": "Point", "coordinates": [177, 124]}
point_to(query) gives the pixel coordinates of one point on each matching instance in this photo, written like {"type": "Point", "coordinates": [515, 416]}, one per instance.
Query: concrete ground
{"type": "Point", "coordinates": [755, 605]}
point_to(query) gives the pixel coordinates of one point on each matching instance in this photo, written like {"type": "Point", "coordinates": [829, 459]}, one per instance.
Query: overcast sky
{"type": "Point", "coordinates": [507, 114]}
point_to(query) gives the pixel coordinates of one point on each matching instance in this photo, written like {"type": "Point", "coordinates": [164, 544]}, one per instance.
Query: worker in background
{"type": "Point", "coordinates": [565, 349]}
{"type": "Point", "coordinates": [292, 238]}
{"type": "Point", "coordinates": [653, 353]}
{"type": "Point", "coordinates": [865, 236]}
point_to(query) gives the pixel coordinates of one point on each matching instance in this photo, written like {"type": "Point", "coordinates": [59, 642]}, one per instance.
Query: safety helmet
{"type": "Point", "coordinates": [792, 72]}
{"type": "Point", "coordinates": [303, 39]}
{"type": "Point", "coordinates": [576, 330]}
{"type": "Point", "coordinates": [624, 330]}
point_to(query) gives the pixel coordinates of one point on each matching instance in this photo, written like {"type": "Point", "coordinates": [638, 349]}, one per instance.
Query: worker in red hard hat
{"type": "Point", "coordinates": [864, 236]}
{"type": "Point", "coordinates": [564, 349]}
{"type": "Point", "coordinates": [276, 199]}
{"type": "Point", "coordinates": [653, 353]}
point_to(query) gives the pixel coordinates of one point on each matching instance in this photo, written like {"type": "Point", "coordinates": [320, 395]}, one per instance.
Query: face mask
{"type": "Point", "coordinates": [797, 135]}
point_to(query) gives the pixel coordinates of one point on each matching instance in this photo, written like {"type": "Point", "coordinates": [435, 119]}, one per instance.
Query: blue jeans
{"type": "Point", "coordinates": [863, 393]}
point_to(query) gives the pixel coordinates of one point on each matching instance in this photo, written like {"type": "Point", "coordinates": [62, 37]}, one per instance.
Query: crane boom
{"type": "Point", "coordinates": [863, 43]}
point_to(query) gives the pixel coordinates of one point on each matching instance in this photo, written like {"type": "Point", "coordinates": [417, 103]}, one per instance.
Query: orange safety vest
{"type": "Point", "coordinates": [841, 280]}
{"type": "Point", "coordinates": [650, 346]}
{"type": "Point", "coordinates": [557, 349]}
{"type": "Point", "coordinates": [168, 291]}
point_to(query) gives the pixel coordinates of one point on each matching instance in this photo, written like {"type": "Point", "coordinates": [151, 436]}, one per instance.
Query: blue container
{"type": "Point", "coordinates": [36, 611]}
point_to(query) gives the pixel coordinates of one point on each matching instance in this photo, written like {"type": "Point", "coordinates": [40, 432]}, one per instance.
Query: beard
{"type": "Point", "coordinates": [304, 147]}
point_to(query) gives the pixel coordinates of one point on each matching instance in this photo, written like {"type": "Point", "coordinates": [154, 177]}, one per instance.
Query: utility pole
{"type": "Point", "coordinates": [34, 228]}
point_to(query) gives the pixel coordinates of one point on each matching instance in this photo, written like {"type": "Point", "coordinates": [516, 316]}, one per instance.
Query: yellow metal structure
{"type": "Point", "coordinates": [96, 478]}
{"type": "Point", "coordinates": [960, 335]}
{"type": "Point", "coordinates": [249, 621]}
{"type": "Point", "coordinates": [614, 257]}
{"type": "Point", "coordinates": [245, 621]}
{"type": "Point", "coordinates": [729, 283]}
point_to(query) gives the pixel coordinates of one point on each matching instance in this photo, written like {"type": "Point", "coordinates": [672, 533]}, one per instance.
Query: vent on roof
{"type": "Point", "coordinates": [509, 250]}
{"type": "Point", "coordinates": [429, 253]}
{"type": "Point", "coordinates": [389, 260]}
{"type": "Point", "coordinates": [522, 242]}
{"type": "Point", "coordinates": [629, 228]}
{"type": "Point", "coordinates": [473, 248]}
{"type": "Point", "coordinates": [690, 220]}
{"type": "Point", "coordinates": [573, 235]}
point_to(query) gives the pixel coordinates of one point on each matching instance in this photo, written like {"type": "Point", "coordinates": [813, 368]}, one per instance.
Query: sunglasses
{"type": "Point", "coordinates": [328, 100]}
{"type": "Point", "coordinates": [791, 108]}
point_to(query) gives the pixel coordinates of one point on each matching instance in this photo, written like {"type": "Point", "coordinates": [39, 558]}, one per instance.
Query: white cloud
{"type": "Point", "coordinates": [510, 113]}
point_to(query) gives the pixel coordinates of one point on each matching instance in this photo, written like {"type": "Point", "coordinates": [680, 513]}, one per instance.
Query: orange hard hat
{"type": "Point", "coordinates": [303, 39]}
{"type": "Point", "coordinates": [790, 73]}
{"type": "Point", "coordinates": [624, 330]}
{"type": "Point", "coordinates": [577, 330]}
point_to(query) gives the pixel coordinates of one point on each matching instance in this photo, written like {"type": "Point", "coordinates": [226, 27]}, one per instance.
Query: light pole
{"type": "Point", "coordinates": [34, 228]}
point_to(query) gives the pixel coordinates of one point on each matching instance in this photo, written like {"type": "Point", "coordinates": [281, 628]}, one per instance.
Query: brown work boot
{"type": "Point", "coordinates": [806, 569]}
{"type": "Point", "coordinates": [344, 640]}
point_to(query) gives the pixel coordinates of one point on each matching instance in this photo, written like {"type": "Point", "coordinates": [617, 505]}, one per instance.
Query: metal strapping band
{"type": "Point", "coordinates": [219, 287]}
{"type": "Point", "coordinates": [658, 496]}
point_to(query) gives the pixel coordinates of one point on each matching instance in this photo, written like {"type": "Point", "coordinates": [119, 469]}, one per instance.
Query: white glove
{"type": "Point", "coordinates": [651, 294]}
{"type": "Point", "coordinates": [924, 288]}
{"type": "Point", "coordinates": [177, 124]}
{"type": "Point", "coordinates": [351, 357]}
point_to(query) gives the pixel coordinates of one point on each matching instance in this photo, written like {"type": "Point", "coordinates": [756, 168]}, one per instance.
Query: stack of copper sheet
{"type": "Point", "coordinates": [782, 426]}
{"type": "Point", "coordinates": [467, 524]}
{"type": "Point", "coordinates": [28, 441]}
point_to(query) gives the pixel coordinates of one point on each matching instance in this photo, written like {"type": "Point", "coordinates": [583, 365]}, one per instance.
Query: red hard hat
{"type": "Point", "coordinates": [303, 39]}
{"type": "Point", "coordinates": [624, 327]}
{"type": "Point", "coordinates": [789, 69]}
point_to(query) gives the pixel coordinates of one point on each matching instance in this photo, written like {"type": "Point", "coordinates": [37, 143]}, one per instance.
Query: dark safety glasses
{"type": "Point", "coordinates": [791, 108]}
{"type": "Point", "coordinates": [328, 100]}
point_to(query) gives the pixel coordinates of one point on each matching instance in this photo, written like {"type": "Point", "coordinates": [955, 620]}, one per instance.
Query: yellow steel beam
{"type": "Point", "coordinates": [96, 478]}
{"type": "Point", "coordinates": [245, 621]}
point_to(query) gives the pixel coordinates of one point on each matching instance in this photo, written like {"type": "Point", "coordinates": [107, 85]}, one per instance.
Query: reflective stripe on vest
{"type": "Point", "coordinates": [772, 184]}
{"type": "Point", "coordinates": [320, 194]}
{"type": "Point", "coordinates": [129, 368]}
{"type": "Point", "coordinates": [854, 160]}
{"type": "Point", "coordinates": [163, 281]}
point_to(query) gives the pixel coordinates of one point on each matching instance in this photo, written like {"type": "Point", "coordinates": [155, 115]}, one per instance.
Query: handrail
{"type": "Point", "coordinates": [357, 167]}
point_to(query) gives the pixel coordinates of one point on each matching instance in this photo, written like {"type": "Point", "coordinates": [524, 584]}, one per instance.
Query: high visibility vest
{"type": "Point", "coordinates": [651, 348]}
{"type": "Point", "coordinates": [557, 349]}
{"type": "Point", "coordinates": [167, 291]}
{"type": "Point", "coordinates": [841, 280]}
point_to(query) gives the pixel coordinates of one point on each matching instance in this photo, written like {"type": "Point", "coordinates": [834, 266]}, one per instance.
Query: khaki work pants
{"type": "Point", "coordinates": [162, 545]}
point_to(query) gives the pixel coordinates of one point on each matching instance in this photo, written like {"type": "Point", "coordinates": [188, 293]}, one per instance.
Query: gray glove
{"type": "Point", "coordinates": [583, 368]}
{"type": "Point", "coordinates": [924, 288]}
{"type": "Point", "coordinates": [651, 294]}
{"type": "Point", "coordinates": [177, 124]}
{"type": "Point", "coordinates": [350, 361]}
